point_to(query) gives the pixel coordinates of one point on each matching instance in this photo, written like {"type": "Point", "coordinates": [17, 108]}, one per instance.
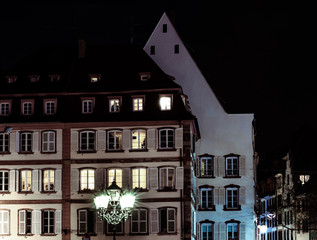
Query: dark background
{"type": "Point", "coordinates": [258, 58]}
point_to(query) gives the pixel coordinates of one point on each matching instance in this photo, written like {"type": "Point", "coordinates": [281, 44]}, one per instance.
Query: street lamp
{"type": "Point", "coordinates": [114, 205]}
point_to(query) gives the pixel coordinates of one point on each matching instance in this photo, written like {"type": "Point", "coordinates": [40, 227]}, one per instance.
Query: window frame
{"type": "Point", "coordinates": [167, 186]}
{"type": "Point", "coordinates": [48, 110]}
{"type": "Point", "coordinates": [5, 224]}
{"type": "Point", "coordinates": [207, 224]}
{"type": "Point", "coordinates": [164, 106]}
{"type": "Point", "coordinates": [4, 143]}
{"type": "Point", "coordinates": [89, 226]}
{"type": "Point", "coordinates": [209, 194]}
{"type": "Point", "coordinates": [114, 108]}
{"type": "Point", "coordinates": [136, 105]}
{"type": "Point", "coordinates": [27, 107]}
{"type": "Point", "coordinates": [234, 167]}
{"type": "Point", "coordinates": [139, 176]}
{"type": "Point", "coordinates": [27, 179]}
{"type": "Point", "coordinates": [139, 221]}
{"type": "Point", "coordinates": [232, 199]}
{"type": "Point", "coordinates": [87, 141]}
{"type": "Point", "coordinates": [114, 177]}
{"type": "Point", "coordinates": [115, 131]}
{"type": "Point", "coordinates": [87, 185]}
{"type": "Point", "coordinates": [48, 141]}
{"type": "Point", "coordinates": [5, 107]}
{"type": "Point", "coordinates": [26, 145]}
{"type": "Point", "coordinates": [167, 142]}
{"type": "Point", "coordinates": [167, 220]}
{"type": "Point", "coordinates": [51, 189]}
{"type": "Point", "coordinates": [50, 218]}
{"type": "Point", "coordinates": [204, 170]}
{"type": "Point", "coordinates": [87, 105]}
{"type": "Point", "coordinates": [27, 221]}
{"type": "Point", "coordinates": [4, 180]}
{"type": "Point", "coordinates": [232, 224]}
{"type": "Point", "coordinates": [141, 144]}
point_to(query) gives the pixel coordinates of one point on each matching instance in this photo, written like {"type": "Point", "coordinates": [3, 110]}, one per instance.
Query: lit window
{"type": "Point", "coordinates": [139, 221]}
{"type": "Point", "coordinates": [48, 224]}
{"type": "Point", "coordinates": [4, 181]}
{"type": "Point", "coordinates": [206, 166]}
{"type": "Point", "coordinates": [304, 178]}
{"type": "Point", "coordinates": [25, 221]}
{"type": "Point", "coordinates": [167, 220]}
{"type": "Point", "coordinates": [48, 141]}
{"type": "Point", "coordinates": [4, 142]}
{"type": "Point", "coordinates": [138, 139]}
{"type": "Point", "coordinates": [206, 231]}
{"type": "Point", "coordinates": [138, 104]}
{"type": "Point", "coordinates": [48, 180]}
{"type": "Point", "coordinates": [87, 141]}
{"type": "Point", "coordinates": [87, 106]}
{"type": "Point", "coordinates": [26, 142]}
{"type": "Point", "coordinates": [232, 166]}
{"type": "Point", "coordinates": [232, 231]}
{"type": "Point", "coordinates": [87, 179]}
{"type": "Point", "coordinates": [94, 77]}
{"type": "Point", "coordinates": [144, 76]}
{"type": "Point", "coordinates": [4, 221]}
{"type": "Point", "coordinates": [114, 105]}
{"type": "Point", "coordinates": [26, 180]}
{"type": "Point", "coordinates": [5, 109]}
{"type": "Point", "coordinates": [114, 140]}
{"type": "Point", "coordinates": [167, 178]}
{"type": "Point", "coordinates": [166, 138]}
{"type": "Point", "coordinates": [139, 178]}
{"type": "Point", "coordinates": [166, 103]}
{"type": "Point", "coordinates": [206, 196]}
{"type": "Point", "coordinates": [115, 174]}
{"type": "Point", "coordinates": [232, 198]}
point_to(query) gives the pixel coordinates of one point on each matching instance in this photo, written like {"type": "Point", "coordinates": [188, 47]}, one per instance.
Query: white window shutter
{"type": "Point", "coordinates": [101, 140]}
{"type": "Point", "coordinates": [222, 231]}
{"type": "Point", "coordinates": [17, 185]}
{"type": "Point", "coordinates": [99, 178]}
{"type": "Point", "coordinates": [179, 178]}
{"type": "Point", "coordinates": [151, 138]}
{"type": "Point", "coordinates": [17, 141]}
{"type": "Point", "coordinates": [36, 222]}
{"type": "Point", "coordinates": [35, 141]}
{"type": "Point", "coordinates": [126, 142]}
{"type": "Point", "coordinates": [154, 178]}
{"type": "Point", "coordinates": [22, 222]}
{"type": "Point", "coordinates": [242, 166]}
{"type": "Point", "coordinates": [75, 180]}
{"type": "Point", "coordinates": [221, 166]}
{"type": "Point", "coordinates": [74, 140]}
{"type": "Point", "coordinates": [35, 180]}
{"type": "Point", "coordinates": [40, 180]}
{"type": "Point", "coordinates": [242, 231]}
{"type": "Point", "coordinates": [215, 167]}
{"type": "Point", "coordinates": [58, 221]}
{"type": "Point", "coordinates": [242, 195]}
{"type": "Point", "coordinates": [216, 195]}
{"type": "Point", "coordinates": [58, 180]}
{"type": "Point", "coordinates": [216, 231]}
{"type": "Point", "coordinates": [179, 138]}
{"type": "Point", "coordinates": [99, 225]}
{"type": "Point", "coordinates": [126, 175]}
{"type": "Point", "coordinates": [12, 181]}
{"type": "Point", "coordinates": [154, 220]}
{"type": "Point", "coordinates": [12, 142]}
{"type": "Point", "coordinates": [221, 196]}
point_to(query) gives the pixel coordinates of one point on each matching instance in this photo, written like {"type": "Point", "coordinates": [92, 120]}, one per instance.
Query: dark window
{"type": "Point", "coordinates": [152, 50]}
{"type": "Point", "coordinates": [176, 48]}
{"type": "Point", "coordinates": [164, 28]}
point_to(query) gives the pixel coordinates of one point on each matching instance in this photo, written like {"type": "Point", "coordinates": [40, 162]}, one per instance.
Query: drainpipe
{"type": "Point", "coordinates": [181, 190]}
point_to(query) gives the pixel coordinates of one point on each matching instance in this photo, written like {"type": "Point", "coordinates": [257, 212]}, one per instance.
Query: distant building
{"type": "Point", "coordinates": [73, 121]}
{"type": "Point", "coordinates": [223, 169]}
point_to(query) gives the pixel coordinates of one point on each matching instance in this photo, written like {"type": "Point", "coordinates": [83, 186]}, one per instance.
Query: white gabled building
{"type": "Point", "coordinates": [223, 174]}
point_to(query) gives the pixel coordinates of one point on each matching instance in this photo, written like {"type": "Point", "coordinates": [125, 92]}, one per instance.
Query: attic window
{"type": "Point", "coordinates": [304, 178]}
{"type": "Point", "coordinates": [34, 78]}
{"type": "Point", "coordinates": [164, 28]}
{"type": "Point", "coordinates": [144, 76]}
{"type": "Point", "coordinates": [54, 78]}
{"type": "Point", "coordinates": [11, 79]}
{"type": "Point", "coordinates": [94, 77]}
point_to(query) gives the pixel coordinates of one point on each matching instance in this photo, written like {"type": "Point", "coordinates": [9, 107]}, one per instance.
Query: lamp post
{"type": "Point", "coordinates": [114, 205]}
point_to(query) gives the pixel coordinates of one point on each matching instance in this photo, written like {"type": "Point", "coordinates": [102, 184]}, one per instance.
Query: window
{"type": "Point", "coordinates": [48, 221]}
{"type": "Point", "coordinates": [4, 142]}
{"type": "Point", "coordinates": [232, 231]}
{"type": "Point", "coordinates": [87, 179]}
{"type": "Point", "coordinates": [27, 107]}
{"type": "Point", "coordinates": [232, 198]}
{"type": "Point", "coordinates": [87, 141]}
{"type": "Point", "coordinates": [232, 166]}
{"type": "Point", "coordinates": [114, 105]}
{"type": "Point", "coordinates": [144, 76]}
{"type": "Point", "coordinates": [139, 178]}
{"type": "Point", "coordinates": [26, 142]}
{"type": "Point", "coordinates": [54, 77]}
{"type": "Point", "coordinates": [5, 108]}
{"type": "Point", "coordinates": [4, 180]}
{"type": "Point", "coordinates": [115, 174]}
{"type": "Point", "coordinates": [11, 79]}
{"type": "Point", "coordinates": [206, 231]}
{"type": "Point", "coordinates": [139, 221]}
{"type": "Point", "coordinates": [164, 28]}
{"type": "Point", "coordinates": [86, 221]}
{"type": "Point", "coordinates": [206, 166]}
{"type": "Point", "coordinates": [166, 103]}
{"type": "Point", "coordinates": [167, 178]}
{"type": "Point", "coordinates": [138, 104]}
{"type": "Point", "coordinates": [4, 221]}
{"type": "Point", "coordinates": [94, 77]}
{"type": "Point", "coordinates": [48, 180]}
{"type": "Point", "coordinates": [176, 48]}
{"type": "Point", "coordinates": [119, 228]}
{"type": "Point", "coordinates": [152, 50]}
{"type": "Point", "coordinates": [304, 178]}
{"type": "Point", "coordinates": [34, 78]}
{"type": "Point", "coordinates": [206, 198]}
{"type": "Point", "coordinates": [138, 139]}
{"type": "Point", "coordinates": [114, 140]}
{"type": "Point", "coordinates": [49, 107]}
{"type": "Point", "coordinates": [48, 141]}
{"type": "Point", "coordinates": [167, 220]}
{"type": "Point", "coordinates": [26, 180]}
{"type": "Point", "coordinates": [87, 106]}
{"type": "Point", "coordinates": [25, 221]}
{"type": "Point", "coordinates": [166, 138]}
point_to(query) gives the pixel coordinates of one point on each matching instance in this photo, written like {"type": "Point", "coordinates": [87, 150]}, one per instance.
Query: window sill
{"type": "Point", "coordinates": [5, 192]}
{"type": "Point", "coordinates": [232, 209]}
{"type": "Point", "coordinates": [48, 192]}
{"type": "Point", "coordinates": [134, 234]}
{"type": "Point", "coordinates": [86, 151]}
{"type": "Point", "coordinates": [167, 190]}
{"type": "Point", "coordinates": [25, 192]}
{"type": "Point", "coordinates": [114, 150]}
{"type": "Point", "coordinates": [5, 152]}
{"type": "Point", "coordinates": [48, 234]}
{"type": "Point", "coordinates": [52, 152]}
{"type": "Point", "coordinates": [207, 176]}
{"type": "Point", "coordinates": [86, 191]}
{"type": "Point", "coordinates": [213, 208]}
{"type": "Point", "coordinates": [140, 190]}
{"type": "Point", "coordinates": [166, 149]}
{"type": "Point", "coordinates": [166, 233]}
{"type": "Point", "coordinates": [232, 176]}
{"type": "Point", "coordinates": [139, 150]}
{"type": "Point", "coordinates": [26, 152]}
{"type": "Point", "coordinates": [26, 234]}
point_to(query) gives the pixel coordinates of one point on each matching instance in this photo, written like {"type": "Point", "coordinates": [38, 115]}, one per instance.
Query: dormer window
{"type": "Point", "coordinates": [94, 77]}
{"type": "Point", "coordinates": [34, 78]}
{"type": "Point", "coordinates": [144, 76]}
{"type": "Point", "coordinates": [54, 77]}
{"type": "Point", "coordinates": [11, 79]}
{"type": "Point", "coordinates": [27, 106]}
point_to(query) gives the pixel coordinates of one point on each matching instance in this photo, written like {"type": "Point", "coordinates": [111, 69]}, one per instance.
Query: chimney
{"type": "Point", "coordinates": [81, 48]}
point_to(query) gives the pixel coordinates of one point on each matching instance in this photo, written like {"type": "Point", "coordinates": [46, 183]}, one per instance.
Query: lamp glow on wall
{"type": "Point", "coordinates": [114, 205]}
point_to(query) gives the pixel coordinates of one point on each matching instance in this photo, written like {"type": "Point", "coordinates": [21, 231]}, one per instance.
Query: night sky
{"type": "Point", "coordinates": [259, 58]}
